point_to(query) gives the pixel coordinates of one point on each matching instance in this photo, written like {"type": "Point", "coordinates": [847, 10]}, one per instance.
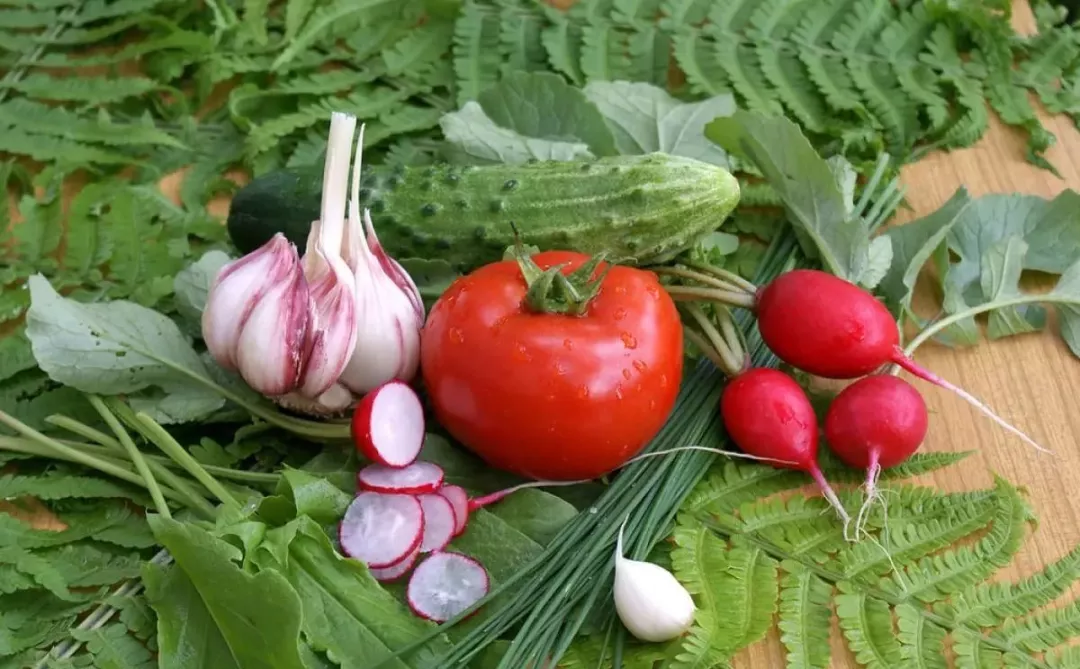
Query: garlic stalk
{"type": "Point", "coordinates": [362, 312]}
{"type": "Point", "coordinates": [651, 603]}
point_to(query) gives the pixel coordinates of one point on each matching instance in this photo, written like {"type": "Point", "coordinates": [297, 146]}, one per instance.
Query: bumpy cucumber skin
{"type": "Point", "coordinates": [637, 209]}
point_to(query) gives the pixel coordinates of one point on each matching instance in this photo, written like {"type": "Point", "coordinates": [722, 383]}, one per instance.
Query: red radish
{"type": "Point", "coordinates": [876, 422]}
{"type": "Point", "coordinates": [381, 530]}
{"type": "Point", "coordinates": [398, 569]}
{"type": "Point", "coordinates": [459, 501]}
{"type": "Point", "coordinates": [388, 425]}
{"type": "Point", "coordinates": [439, 523]}
{"type": "Point", "coordinates": [416, 479]}
{"type": "Point", "coordinates": [446, 584]}
{"type": "Point", "coordinates": [832, 328]}
{"type": "Point", "coordinates": [768, 415]}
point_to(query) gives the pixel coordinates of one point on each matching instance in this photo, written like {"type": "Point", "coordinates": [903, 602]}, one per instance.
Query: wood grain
{"type": "Point", "coordinates": [1031, 380]}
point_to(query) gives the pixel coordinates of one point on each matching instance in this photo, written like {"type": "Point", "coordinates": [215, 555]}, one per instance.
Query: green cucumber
{"type": "Point", "coordinates": [637, 209]}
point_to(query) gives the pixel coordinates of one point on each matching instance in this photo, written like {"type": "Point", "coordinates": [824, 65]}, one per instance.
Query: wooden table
{"type": "Point", "coordinates": [1032, 380]}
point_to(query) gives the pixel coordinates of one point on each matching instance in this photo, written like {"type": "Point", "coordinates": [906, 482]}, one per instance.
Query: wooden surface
{"type": "Point", "coordinates": [1031, 380]}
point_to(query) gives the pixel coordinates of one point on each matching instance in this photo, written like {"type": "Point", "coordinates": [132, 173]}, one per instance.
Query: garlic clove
{"type": "Point", "coordinates": [236, 290]}
{"type": "Point", "coordinates": [269, 350]}
{"type": "Point", "coordinates": [393, 268]}
{"type": "Point", "coordinates": [650, 601]}
{"type": "Point", "coordinates": [332, 333]}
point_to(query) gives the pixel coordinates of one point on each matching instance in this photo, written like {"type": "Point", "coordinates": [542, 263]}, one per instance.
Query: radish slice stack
{"type": "Point", "coordinates": [381, 530]}
{"type": "Point", "coordinates": [459, 500]}
{"type": "Point", "coordinates": [415, 479]}
{"type": "Point", "coordinates": [439, 522]}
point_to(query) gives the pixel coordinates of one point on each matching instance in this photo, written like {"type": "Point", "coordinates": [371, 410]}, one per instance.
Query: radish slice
{"type": "Point", "coordinates": [381, 530]}
{"type": "Point", "coordinates": [388, 425]}
{"type": "Point", "coordinates": [459, 500]}
{"type": "Point", "coordinates": [416, 479]}
{"type": "Point", "coordinates": [398, 569]}
{"type": "Point", "coordinates": [438, 523]}
{"type": "Point", "coordinates": [446, 584]}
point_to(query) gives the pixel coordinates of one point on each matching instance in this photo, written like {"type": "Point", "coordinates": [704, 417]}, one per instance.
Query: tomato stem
{"type": "Point", "coordinates": [551, 291]}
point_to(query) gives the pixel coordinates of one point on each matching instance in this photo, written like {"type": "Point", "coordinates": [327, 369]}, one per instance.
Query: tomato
{"type": "Point", "coordinates": [549, 395]}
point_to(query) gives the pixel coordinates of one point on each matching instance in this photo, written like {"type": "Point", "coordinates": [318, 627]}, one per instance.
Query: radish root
{"type": "Point", "coordinates": [830, 496]}
{"type": "Point", "coordinates": [718, 451]}
{"type": "Point", "coordinates": [909, 365]}
{"type": "Point", "coordinates": [873, 473]}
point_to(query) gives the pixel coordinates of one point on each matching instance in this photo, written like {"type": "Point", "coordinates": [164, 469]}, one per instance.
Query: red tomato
{"type": "Point", "coordinates": [553, 396]}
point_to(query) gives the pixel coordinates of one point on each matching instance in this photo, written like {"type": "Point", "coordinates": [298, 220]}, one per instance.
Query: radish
{"type": "Point", "coordinates": [439, 523]}
{"type": "Point", "coordinates": [832, 328]}
{"type": "Point", "coordinates": [459, 502]}
{"type": "Point", "coordinates": [381, 530]}
{"type": "Point", "coordinates": [874, 423]}
{"type": "Point", "coordinates": [417, 479]}
{"type": "Point", "coordinates": [388, 425]}
{"type": "Point", "coordinates": [398, 569]}
{"type": "Point", "coordinates": [768, 415]}
{"type": "Point", "coordinates": [444, 585]}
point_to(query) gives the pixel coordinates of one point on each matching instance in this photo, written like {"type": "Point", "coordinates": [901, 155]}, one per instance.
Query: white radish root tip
{"type": "Point", "coordinates": [873, 495]}
{"type": "Point", "coordinates": [915, 369]}
{"type": "Point", "coordinates": [830, 496]}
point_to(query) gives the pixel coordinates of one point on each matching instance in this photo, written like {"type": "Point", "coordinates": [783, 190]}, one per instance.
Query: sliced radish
{"type": "Point", "coordinates": [398, 569]}
{"type": "Point", "coordinates": [444, 585]}
{"type": "Point", "coordinates": [459, 500]}
{"type": "Point", "coordinates": [416, 479]}
{"type": "Point", "coordinates": [388, 425]}
{"type": "Point", "coordinates": [381, 530]}
{"type": "Point", "coordinates": [438, 523]}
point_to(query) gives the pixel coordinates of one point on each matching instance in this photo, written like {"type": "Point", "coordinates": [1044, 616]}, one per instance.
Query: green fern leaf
{"type": "Point", "coordinates": [112, 647]}
{"type": "Point", "coordinates": [917, 465]}
{"type": "Point", "coordinates": [324, 20]}
{"type": "Point", "coordinates": [922, 643]}
{"type": "Point", "coordinates": [974, 119]}
{"type": "Point", "coordinates": [804, 617]}
{"type": "Point", "coordinates": [649, 52]}
{"type": "Point", "coordinates": [61, 487]}
{"type": "Point", "coordinates": [730, 484]}
{"type": "Point", "coordinates": [21, 570]}
{"type": "Point", "coordinates": [15, 353]}
{"type": "Point", "coordinates": [634, 12]}
{"type": "Point", "coordinates": [417, 52]}
{"type": "Point", "coordinates": [938, 576]}
{"type": "Point", "coordinates": [85, 564]}
{"type": "Point", "coordinates": [476, 51]}
{"type": "Point", "coordinates": [21, 19]}
{"type": "Point", "coordinates": [867, 625]}
{"type": "Point", "coordinates": [814, 33]}
{"type": "Point", "coordinates": [37, 237]}
{"type": "Point", "coordinates": [800, 527]}
{"type": "Point", "coordinates": [1066, 658]}
{"type": "Point", "coordinates": [988, 604]}
{"type": "Point", "coordinates": [136, 615]}
{"type": "Point", "coordinates": [696, 55]}
{"type": "Point", "coordinates": [521, 40]}
{"type": "Point", "coordinates": [90, 90]}
{"type": "Point", "coordinates": [605, 52]}
{"type": "Point", "coordinates": [737, 588]}
{"type": "Point", "coordinates": [972, 651]}
{"type": "Point", "coordinates": [1042, 631]}
{"type": "Point", "coordinates": [743, 69]}
{"type": "Point", "coordinates": [562, 42]}
{"type": "Point", "coordinates": [677, 14]}
{"type": "Point", "coordinates": [296, 13]}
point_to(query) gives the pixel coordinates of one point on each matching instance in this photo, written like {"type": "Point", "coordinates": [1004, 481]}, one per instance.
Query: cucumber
{"type": "Point", "coordinates": [639, 209]}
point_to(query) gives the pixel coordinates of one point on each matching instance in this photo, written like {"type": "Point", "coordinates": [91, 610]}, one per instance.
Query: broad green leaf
{"type": "Point", "coordinates": [313, 496]}
{"type": "Point", "coordinates": [187, 635]}
{"type": "Point", "coordinates": [15, 354]}
{"type": "Point", "coordinates": [543, 106]}
{"type": "Point", "coordinates": [914, 243]}
{"type": "Point", "coordinates": [347, 613]}
{"type": "Point", "coordinates": [258, 616]}
{"type": "Point", "coordinates": [879, 259]}
{"type": "Point", "coordinates": [804, 181]}
{"type": "Point", "coordinates": [1001, 267]}
{"type": "Point", "coordinates": [479, 139]}
{"type": "Point", "coordinates": [192, 284]}
{"type": "Point", "coordinates": [646, 119]}
{"type": "Point", "coordinates": [117, 347]}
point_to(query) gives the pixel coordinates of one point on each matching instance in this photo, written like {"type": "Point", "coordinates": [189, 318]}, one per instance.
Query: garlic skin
{"type": "Point", "coordinates": [257, 316]}
{"type": "Point", "coordinates": [650, 601]}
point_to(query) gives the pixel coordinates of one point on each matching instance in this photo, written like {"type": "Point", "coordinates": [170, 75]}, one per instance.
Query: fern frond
{"type": "Point", "coordinates": [989, 604]}
{"type": "Point", "coordinates": [476, 51]}
{"type": "Point", "coordinates": [1041, 631]}
{"type": "Point", "coordinates": [418, 51]}
{"type": "Point", "coordinates": [649, 53]}
{"type": "Point", "coordinates": [1066, 658]}
{"type": "Point", "coordinates": [804, 617]}
{"type": "Point", "coordinates": [695, 53]}
{"type": "Point", "coordinates": [867, 625]}
{"type": "Point", "coordinates": [111, 646]}
{"type": "Point", "coordinates": [937, 576]}
{"type": "Point", "coordinates": [605, 53]}
{"type": "Point", "coordinates": [801, 527]}
{"type": "Point", "coordinates": [743, 69]}
{"type": "Point", "coordinates": [973, 652]}
{"type": "Point", "coordinates": [562, 42]}
{"type": "Point", "coordinates": [93, 91]}
{"type": "Point", "coordinates": [698, 558]}
{"type": "Point", "coordinates": [730, 484]}
{"type": "Point", "coordinates": [922, 643]}
{"type": "Point", "coordinates": [38, 119]}
{"type": "Point", "coordinates": [678, 14]}
{"type": "Point", "coordinates": [521, 40]}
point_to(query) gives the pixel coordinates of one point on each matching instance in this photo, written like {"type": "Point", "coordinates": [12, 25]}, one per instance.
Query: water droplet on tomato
{"type": "Point", "coordinates": [456, 336]}
{"type": "Point", "coordinates": [619, 314]}
{"type": "Point", "coordinates": [583, 392]}
{"type": "Point", "coordinates": [653, 292]}
{"type": "Point", "coordinates": [568, 345]}
{"type": "Point", "coordinates": [663, 381]}
{"type": "Point", "coordinates": [628, 340]}
{"type": "Point", "coordinates": [620, 290]}
{"type": "Point", "coordinates": [521, 353]}
{"type": "Point", "coordinates": [618, 391]}
{"type": "Point", "coordinates": [560, 369]}
{"type": "Point", "coordinates": [640, 366]}
{"type": "Point", "coordinates": [652, 405]}
{"type": "Point", "coordinates": [626, 374]}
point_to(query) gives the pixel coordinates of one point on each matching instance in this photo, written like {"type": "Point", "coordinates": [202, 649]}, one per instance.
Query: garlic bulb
{"type": "Point", "coordinates": [651, 603]}
{"type": "Point", "coordinates": [315, 332]}
{"type": "Point", "coordinates": [257, 316]}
